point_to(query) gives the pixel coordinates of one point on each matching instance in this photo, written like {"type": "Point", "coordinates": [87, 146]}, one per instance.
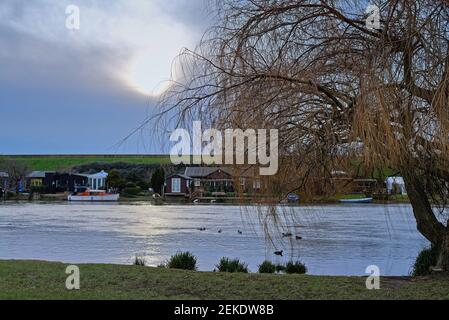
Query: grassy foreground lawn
{"type": "Point", "coordinates": [56, 162]}
{"type": "Point", "coordinates": [46, 280]}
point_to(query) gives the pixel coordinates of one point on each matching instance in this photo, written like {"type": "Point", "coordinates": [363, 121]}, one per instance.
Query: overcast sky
{"type": "Point", "coordinates": [82, 91]}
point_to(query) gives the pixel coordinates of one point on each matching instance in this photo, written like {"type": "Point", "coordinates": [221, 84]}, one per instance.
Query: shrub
{"type": "Point", "coordinates": [37, 189]}
{"type": "Point", "coordinates": [132, 191]}
{"type": "Point", "coordinates": [139, 261]}
{"type": "Point", "coordinates": [144, 185]}
{"type": "Point", "coordinates": [295, 267]}
{"type": "Point", "coordinates": [130, 184]}
{"type": "Point", "coordinates": [157, 180]}
{"type": "Point", "coordinates": [182, 260]}
{"type": "Point", "coordinates": [267, 267]}
{"type": "Point", "coordinates": [115, 180]}
{"type": "Point", "coordinates": [426, 259]}
{"type": "Point", "coordinates": [231, 265]}
{"type": "Point", "coordinates": [280, 268]}
{"type": "Point", "coordinates": [10, 194]}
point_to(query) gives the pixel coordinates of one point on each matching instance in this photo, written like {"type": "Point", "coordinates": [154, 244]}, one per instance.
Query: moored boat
{"type": "Point", "coordinates": [93, 195]}
{"type": "Point", "coordinates": [361, 200]}
{"type": "Point", "coordinates": [291, 197]}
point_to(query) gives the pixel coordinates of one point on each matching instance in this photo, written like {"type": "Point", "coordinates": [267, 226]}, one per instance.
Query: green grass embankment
{"type": "Point", "coordinates": [46, 280]}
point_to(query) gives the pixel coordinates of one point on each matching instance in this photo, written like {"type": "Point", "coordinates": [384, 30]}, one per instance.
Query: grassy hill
{"type": "Point", "coordinates": [60, 162]}
{"type": "Point", "coordinates": [46, 280]}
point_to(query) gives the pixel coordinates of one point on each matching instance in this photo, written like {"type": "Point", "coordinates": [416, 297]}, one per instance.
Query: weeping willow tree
{"type": "Point", "coordinates": [339, 92]}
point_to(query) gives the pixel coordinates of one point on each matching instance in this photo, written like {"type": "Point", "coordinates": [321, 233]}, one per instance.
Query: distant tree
{"type": "Point", "coordinates": [157, 180]}
{"type": "Point", "coordinates": [134, 175]}
{"type": "Point", "coordinates": [115, 180]}
{"type": "Point", "coordinates": [16, 170]}
{"type": "Point", "coordinates": [138, 176]}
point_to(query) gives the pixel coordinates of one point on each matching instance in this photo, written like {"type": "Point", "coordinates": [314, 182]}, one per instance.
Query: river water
{"type": "Point", "coordinates": [336, 239]}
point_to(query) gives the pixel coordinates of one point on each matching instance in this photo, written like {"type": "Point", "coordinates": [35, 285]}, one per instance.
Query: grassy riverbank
{"type": "Point", "coordinates": [60, 162]}
{"type": "Point", "coordinates": [46, 280]}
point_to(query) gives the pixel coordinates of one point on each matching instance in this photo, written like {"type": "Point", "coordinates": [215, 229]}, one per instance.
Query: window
{"type": "Point", "coordinates": [197, 183]}
{"type": "Point", "coordinates": [36, 182]}
{"type": "Point", "coordinates": [256, 184]}
{"type": "Point", "coordinates": [242, 182]}
{"type": "Point", "coordinates": [176, 185]}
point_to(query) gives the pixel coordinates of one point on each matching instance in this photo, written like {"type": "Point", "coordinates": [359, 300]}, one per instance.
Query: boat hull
{"type": "Point", "coordinates": [364, 200]}
{"type": "Point", "coordinates": [95, 198]}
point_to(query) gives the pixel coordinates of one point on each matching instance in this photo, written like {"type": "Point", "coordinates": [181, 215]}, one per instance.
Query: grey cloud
{"type": "Point", "coordinates": [56, 97]}
{"type": "Point", "coordinates": [192, 13]}
{"type": "Point", "coordinates": [59, 99]}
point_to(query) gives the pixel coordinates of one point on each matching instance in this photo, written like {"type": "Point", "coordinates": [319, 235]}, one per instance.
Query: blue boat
{"type": "Point", "coordinates": [361, 200]}
{"type": "Point", "coordinates": [292, 197]}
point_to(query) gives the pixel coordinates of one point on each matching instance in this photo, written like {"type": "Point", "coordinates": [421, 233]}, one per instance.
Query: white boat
{"type": "Point", "coordinates": [94, 195]}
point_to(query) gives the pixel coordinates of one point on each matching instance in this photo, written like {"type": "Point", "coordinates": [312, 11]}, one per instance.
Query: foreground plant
{"type": "Point", "coordinates": [182, 260]}
{"type": "Point", "coordinates": [426, 259]}
{"type": "Point", "coordinates": [267, 267]}
{"type": "Point", "coordinates": [139, 261]}
{"type": "Point", "coordinates": [295, 267]}
{"type": "Point", "coordinates": [231, 265]}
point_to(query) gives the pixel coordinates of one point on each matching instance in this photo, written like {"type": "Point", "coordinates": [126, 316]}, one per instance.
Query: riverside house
{"type": "Point", "coordinates": [41, 179]}
{"type": "Point", "coordinates": [97, 181]}
{"type": "Point", "coordinates": [348, 184]}
{"type": "Point", "coordinates": [53, 182]}
{"type": "Point", "coordinates": [210, 181]}
{"type": "Point", "coordinates": [177, 185]}
{"type": "Point", "coordinates": [70, 181]}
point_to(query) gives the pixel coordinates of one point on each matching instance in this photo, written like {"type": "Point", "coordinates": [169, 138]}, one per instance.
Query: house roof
{"type": "Point", "coordinates": [4, 175]}
{"type": "Point", "coordinates": [179, 175]}
{"type": "Point", "coordinates": [39, 174]}
{"type": "Point", "coordinates": [73, 174]}
{"type": "Point", "coordinates": [99, 175]}
{"type": "Point", "coordinates": [81, 175]}
{"type": "Point", "coordinates": [200, 172]}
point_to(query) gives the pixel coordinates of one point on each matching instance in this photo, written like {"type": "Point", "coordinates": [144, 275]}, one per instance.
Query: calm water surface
{"type": "Point", "coordinates": [337, 239]}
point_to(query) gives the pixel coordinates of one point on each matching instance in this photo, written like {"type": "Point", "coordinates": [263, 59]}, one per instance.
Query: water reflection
{"type": "Point", "coordinates": [336, 240]}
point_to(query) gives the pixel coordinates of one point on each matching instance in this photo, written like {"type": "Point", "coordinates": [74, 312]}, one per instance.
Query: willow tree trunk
{"type": "Point", "coordinates": [426, 220]}
{"type": "Point", "coordinates": [443, 261]}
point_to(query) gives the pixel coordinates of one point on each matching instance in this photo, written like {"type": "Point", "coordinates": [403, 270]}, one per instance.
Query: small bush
{"type": "Point", "coordinates": [280, 268]}
{"type": "Point", "coordinates": [130, 185]}
{"type": "Point", "coordinates": [267, 267]}
{"type": "Point", "coordinates": [426, 258]}
{"type": "Point", "coordinates": [139, 261]}
{"type": "Point", "coordinates": [10, 194]}
{"type": "Point", "coordinates": [37, 189]}
{"type": "Point", "coordinates": [182, 260]}
{"type": "Point", "coordinates": [231, 265]}
{"type": "Point", "coordinates": [295, 267]}
{"type": "Point", "coordinates": [132, 191]}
